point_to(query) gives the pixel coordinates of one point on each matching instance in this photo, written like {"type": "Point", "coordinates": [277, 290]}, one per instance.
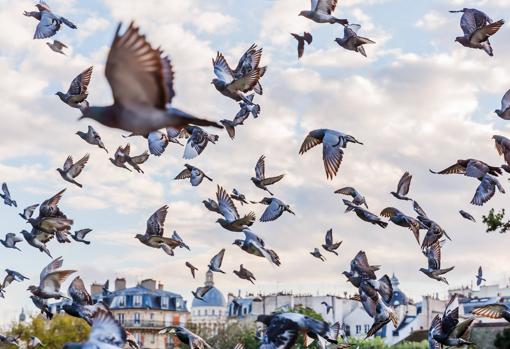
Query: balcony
{"type": "Point", "coordinates": [153, 324]}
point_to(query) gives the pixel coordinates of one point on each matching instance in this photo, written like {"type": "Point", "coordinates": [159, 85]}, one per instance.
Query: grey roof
{"type": "Point", "coordinates": [213, 298]}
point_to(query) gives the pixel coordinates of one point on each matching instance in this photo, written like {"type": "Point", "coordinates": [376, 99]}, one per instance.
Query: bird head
{"type": "Point", "coordinates": [498, 112]}
{"type": "Point", "coordinates": [60, 94]}
{"type": "Point", "coordinates": [139, 236]}
{"type": "Point", "coordinates": [238, 242]}
{"type": "Point", "coordinates": [303, 13]}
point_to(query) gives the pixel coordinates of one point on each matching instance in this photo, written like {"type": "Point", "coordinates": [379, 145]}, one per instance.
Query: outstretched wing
{"type": "Point", "coordinates": [156, 222]}
{"type": "Point", "coordinates": [80, 84]}
{"type": "Point", "coordinates": [222, 69]}
{"type": "Point", "coordinates": [260, 168]}
{"type": "Point", "coordinates": [76, 168]}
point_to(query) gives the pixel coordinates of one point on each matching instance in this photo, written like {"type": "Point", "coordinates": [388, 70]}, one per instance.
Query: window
{"type": "Point", "coordinates": [205, 312]}
{"type": "Point", "coordinates": [136, 319]}
{"type": "Point", "coordinates": [153, 338]}
{"type": "Point", "coordinates": [164, 302]}
{"type": "Point", "coordinates": [177, 303]}
{"type": "Point", "coordinates": [358, 329]}
{"type": "Point", "coordinates": [120, 318]}
{"type": "Point", "coordinates": [219, 313]}
{"type": "Point", "coordinates": [137, 300]}
{"type": "Point", "coordinates": [213, 312]}
{"type": "Point", "coordinates": [122, 301]}
{"type": "Point", "coordinates": [367, 328]}
{"type": "Point", "coordinates": [198, 312]}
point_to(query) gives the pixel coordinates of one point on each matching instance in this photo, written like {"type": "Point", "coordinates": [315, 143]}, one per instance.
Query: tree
{"type": "Point", "coordinates": [495, 221]}
{"type": "Point", "coordinates": [502, 340]}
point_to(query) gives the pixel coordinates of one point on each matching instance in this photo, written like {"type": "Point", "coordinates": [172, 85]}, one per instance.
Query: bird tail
{"type": "Point", "coordinates": [456, 11]}
{"type": "Point", "coordinates": [68, 23]}
{"type": "Point", "coordinates": [382, 224]}
{"type": "Point", "coordinates": [487, 48]}
{"type": "Point", "coordinates": [361, 50]}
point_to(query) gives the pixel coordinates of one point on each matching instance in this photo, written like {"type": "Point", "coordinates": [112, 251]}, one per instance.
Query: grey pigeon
{"type": "Point", "coordinates": [328, 307]}
{"type": "Point", "coordinates": [177, 237]}
{"type": "Point", "coordinates": [133, 66]}
{"type": "Point", "coordinates": [231, 220]}
{"type": "Point", "coordinates": [28, 212]}
{"type": "Point", "coordinates": [245, 274]}
{"type": "Point", "coordinates": [10, 241]}
{"type": "Point", "coordinates": [79, 236]}
{"type": "Point", "coordinates": [376, 308]}
{"type": "Point", "coordinates": [186, 337]}
{"type": "Point", "coordinates": [230, 125]}
{"type": "Point", "coordinates": [467, 216]}
{"type": "Point", "coordinates": [237, 195]}
{"type": "Point", "coordinates": [400, 219]}
{"type": "Point", "coordinates": [357, 198]}
{"type": "Point", "coordinates": [6, 196]}
{"type": "Point", "coordinates": [254, 245]}
{"type": "Point", "coordinates": [197, 141]}
{"type": "Point", "coordinates": [195, 175]}
{"type": "Point", "coordinates": [503, 147]}
{"type": "Point", "coordinates": [72, 170]}
{"type": "Point", "coordinates": [493, 311]}
{"type": "Point", "coordinates": [92, 137]}
{"type": "Point", "coordinates": [137, 160]}
{"type": "Point", "coordinates": [403, 187]}
{"type": "Point", "coordinates": [332, 144]}
{"type": "Point", "coordinates": [200, 292]}
{"type": "Point", "coordinates": [10, 278]}
{"type": "Point", "coordinates": [215, 263]}
{"type": "Point", "coordinates": [38, 240]}
{"type": "Point", "coordinates": [120, 157]}
{"type": "Point", "coordinates": [42, 305]}
{"type": "Point", "coordinates": [157, 141]}
{"type": "Point", "coordinates": [260, 180]}
{"type": "Point", "coordinates": [418, 209]}
{"type": "Point", "coordinates": [50, 281]}
{"type": "Point", "coordinates": [434, 232]}
{"type": "Point", "coordinates": [446, 330]}
{"type": "Point", "coordinates": [329, 245]}
{"type": "Point", "coordinates": [351, 41]}
{"type": "Point", "coordinates": [51, 221]}
{"type": "Point", "coordinates": [174, 134]}
{"type": "Point", "coordinates": [364, 214]}
{"type": "Point", "coordinates": [477, 28]}
{"type": "Point", "coordinates": [192, 268]}
{"type": "Point", "coordinates": [57, 46]}
{"type": "Point", "coordinates": [153, 236]}
{"type": "Point", "coordinates": [479, 276]}
{"type": "Point", "coordinates": [321, 12]}
{"type": "Point", "coordinates": [471, 168]}
{"type": "Point", "coordinates": [434, 271]}
{"type": "Point", "coordinates": [486, 190]}
{"type": "Point", "coordinates": [275, 208]}
{"type": "Point", "coordinates": [49, 23]}
{"type": "Point", "coordinates": [504, 112]}
{"type": "Point", "coordinates": [301, 39]}
{"type": "Point", "coordinates": [76, 95]}
{"type": "Point", "coordinates": [211, 205]}
{"type": "Point", "coordinates": [247, 108]}
{"type": "Point", "coordinates": [317, 254]}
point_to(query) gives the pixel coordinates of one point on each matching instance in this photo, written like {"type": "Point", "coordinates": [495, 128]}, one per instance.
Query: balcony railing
{"type": "Point", "coordinates": [145, 324]}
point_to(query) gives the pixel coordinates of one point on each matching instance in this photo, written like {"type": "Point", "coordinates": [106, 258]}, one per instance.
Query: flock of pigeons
{"type": "Point", "coordinates": [141, 79]}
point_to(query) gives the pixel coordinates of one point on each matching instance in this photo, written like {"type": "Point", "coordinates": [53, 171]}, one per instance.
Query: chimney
{"type": "Point", "coordinates": [149, 284]}
{"type": "Point", "coordinates": [96, 288]}
{"type": "Point", "coordinates": [160, 286]}
{"type": "Point", "coordinates": [120, 284]}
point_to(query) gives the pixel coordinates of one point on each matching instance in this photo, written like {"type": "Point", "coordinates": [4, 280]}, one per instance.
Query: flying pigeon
{"type": "Point", "coordinates": [245, 274]}
{"type": "Point", "coordinates": [376, 308]}
{"type": "Point", "coordinates": [364, 214]}
{"type": "Point", "coordinates": [120, 157]}
{"type": "Point", "coordinates": [477, 28]}
{"type": "Point", "coordinates": [329, 245]}
{"type": "Point", "coordinates": [10, 278]}
{"type": "Point", "coordinates": [357, 198]}
{"type": "Point", "coordinates": [301, 39]}
{"type": "Point", "coordinates": [230, 125]}
{"type": "Point", "coordinates": [434, 271]}
{"type": "Point", "coordinates": [81, 306]}
{"type": "Point", "coordinates": [231, 219]}
{"type": "Point", "coordinates": [50, 280]}
{"type": "Point", "coordinates": [471, 168]}
{"type": "Point", "coordinates": [28, 212]}
{"type": "Point", "coordinates": [361, 268]}
{"type": "Point", "coordinates": [38, 240]}
{"type": "Point", "coordinates": [417, 208]}
{"type": "Point", "coordinates": [504, 112]}
{"type": "Point", "coordinates": [192, 268]}
{"type": "Point", "coordinates": [186, 337]}
{"type": "Point", "coordinates": [200, 292]}
{"type": "Point", "coordinates": [434, 233]}
{"type": "Point", "coordinates": [76, 95]}
{"type": "Point", "coordinates": [247, 108]}
{"type": "Point", "coordinates": [317, 254]}
{"type": "Point", "coordinates": [92, 137]}
{"type": "Point", "coordinates": [275, 208]}
{"type": "Point", "coordinates": [10, 241]}
{"type": "Point", "coordinates": [493, 311]}
{"type": "Point", "coordinates": [237, 195]}
{"type": "Point", "coordinates": [197, 141]}
{"type": "Point", "coordinates": [195, 175]}
{"type": "Point", "coordinates": [260, 180]}
{"type": "Point", "coordinates": [351, 41]}
{"type": "Point", "coordinates": [254, 245]}
{"type": "Point", "coordinates": [42, 305]}
{"type": "Point", "coordinates": [403, 187]}
{"type": "Point", "coordinates": [177, 237]}
{"type": "Point", "coordinates": [486, 190]}
{"type": "Point", "coordinates": [479, 276]}
{"type": "Point", "coordinates": [332, 144]}
{"type": "Point", "coordinates": [321, 12]}
{"type": "Point", "coordinates": [79, 236]}
{"type": "Point", "coordinates": [215, 263]}
{"type": "Point", "coordinates": [49, 23]}
{"type": "Point", "coordinates": [400, 219]}
{"type": "Point", "coordinates": [51, 220]}
{"type": "Point", "coordinates": [72, 170]}
{"type": "Point", "coordinates": [211, 205]}
{"type": "Point", "coordinates": [57, 46]}
{"type": "Point", "coordinates": [7, 196]}
{"type": "Point", "coordinates": [153, 236]}
{"type": "Point", "coordinates": [133, 65]}
{"type": "Point", "coordinates": [503, 147]}
{"type": "Point", "coordinates": [467, 216]}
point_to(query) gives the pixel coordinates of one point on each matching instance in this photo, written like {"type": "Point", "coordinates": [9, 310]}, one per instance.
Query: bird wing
{"type": "Point", "coordinates": [390, 212]}
{"type": "Point", "coordinates": [78, 292]}
{"type": "Point", "coordinates": [186, 173]}
{"type": "Point", "coordinates": [272, 180]}
{"type": "Point", "coordinates": [260, 168]}
{"type": "Point", "coordinates": [140, 159]}
{"type": "Point", "coordinates": [485, 191]}
{"type": "Point", "coordinates": [346, 191]}
{"type": "Point", "coordinates": [80, 234]}
{"type": "Point", "coordinates": [480, 273]}
{"type": "Point", "coordinates": [54, 279]}
{"type": "Point", "coordinates": [226, 205]}
{"type": "Point", "coordinates": [54, 265]}
{"type": "Point", "coordinates": [468, 22]}
{"type": "Point", "coordinates": [11, 238]}
{"type": "Point", "coordinates": [5, 189]}
{"type": "Point", "coordinates": [309, 143]}
{"type": "Point", "coordinates": [360, 265]}
{"type": "Point", "coordinates": [29, 211]}
{"type": "Point", "coordinates": [476, 169]}
{"type": "Point", "coordinates": [60, 45]}
{"type": "Point", "coordinates": [222, 69]}
{"type": "Point", "coordinates": [281, 333]}
{"type": "Point", "coordinates": [76, 168]}
{"type": "Point", "coordinates": [326, 6]}
{"type": "Point", "coordinates": [272, 212]}
{"type": "Point", "coordinates": [484, 32]}
{"type": "Point", "coordinates": [156, 222]}
{"type": "Point", "coordinates": [491, 311]}
{"type": "Point", "coordinates": [247, 82]}
{"type": "Point", "coordinates": [68, 163]}
{"type": "Point", "coordinates": [505, 101]}
{"type": "Point", "coordinates": [332, 157]}
{"type": "Point", "coordinates": [106, 331]}
{"type": "Point", "coordinates": [168, 76]}
{"type": "Point", "coordinates": [158, 142]}
{"type": "Point", "coordinates": [46, 27]}
{"type": "Point", "coordinates": [404, 183]}
{"type": "Point", "coordinates": [454, 169]}
{"type": "Point", "coordinates": [80, 84]}
{"type": "Point", "coordinates": [51, 202]}
{"type": "Point", "coordinates": [251, 57]}
{"type": "Point", "coordinates": [329, 237]}
{"type": "Point", "coordinates": [434, 256]}
{"type": "Point", "coordinates": [134, 71]}
{"type": "Point", "coordinates": [218, 259]}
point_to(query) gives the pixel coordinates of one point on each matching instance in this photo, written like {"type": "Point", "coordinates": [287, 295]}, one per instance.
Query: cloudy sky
{"type": "Point", "coordinates": [419, 101]}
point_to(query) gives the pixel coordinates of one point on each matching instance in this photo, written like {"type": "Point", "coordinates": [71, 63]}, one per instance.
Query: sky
{"type": "Point", "coordinates": [418, 101]}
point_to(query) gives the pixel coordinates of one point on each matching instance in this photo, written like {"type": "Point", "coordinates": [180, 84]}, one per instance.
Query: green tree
{"type": "Point", "coordinates": [502, 340]}
{"type": "Point", "coordinates": [495, 221]}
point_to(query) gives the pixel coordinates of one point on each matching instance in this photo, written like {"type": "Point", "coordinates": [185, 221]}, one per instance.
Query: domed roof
{"type": "Point", "coordinates": [213, 298]}
{"type": "Point", "coordinates": [399, 297]}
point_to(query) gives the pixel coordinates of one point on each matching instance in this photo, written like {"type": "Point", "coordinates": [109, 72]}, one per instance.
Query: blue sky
{"type": "Point", "coordinates": [419, 101]}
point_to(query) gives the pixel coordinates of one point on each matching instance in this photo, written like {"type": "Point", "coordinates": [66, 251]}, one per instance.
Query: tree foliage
{"type": "Point", "coordinates": [502, 340]}
{"type": "Point", "coordinates": [495, 221]}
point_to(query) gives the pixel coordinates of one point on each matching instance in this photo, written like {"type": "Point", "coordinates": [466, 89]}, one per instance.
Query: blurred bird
{"type": "Point", "coordinates": [237, 195]}
{"type": "Point", "coordinates": [35, 342]}
{"type": "Point", "coordinates": [57, 46]}
{"type": "Point", "coordinates": [328, 307]}
{"type": "Point", "coordinates": [211, 205]}
{"type": "Point", "coordinates": [486, 190]}
{"type": "Point", "coordinates": [503, 147]}
{"type": "Point", "coordinates": [42, 305]}
{"type": "Point", "coordinates": [301, 39]}
{"type": "Point", "coordinates": [329, 245]}
{"type": "Point", "coordinates": [231, 219]}
{"type": "Point", "coordinates": [215, 263]}
{"type": "Point", "coordinates": [49, 23]}
{"type": "Point", "coordinates": [471, 168]}
{"type": "Point", "coordinates": [275, 208]}
{"type": "Point", "coordinates": [10, 340]}
{"type": "Point", "coordinates": [10, 241]}
{"type": "Point", "coordinates": [402, 220]}
{"type": "Point", "coordinates": [493, 311]}
{"type": "Point", "coordinates": [351, 41]}
{"type": "Point", "coordinates": [467, 216]}
{"type": "Point", "coordinates": [6, 196]}
{"type": "Point", "coordinates": [192, 268]}
{"type": "Point", "coordinates": [50, 281]}
{"type": "Point", "coordinates": [504, 112]}
{"type": "Point", "coordinates": [79, 235]}
{"type": "Point", "coordinates": [195, 175]}
{"type": "Point", "coordinates": [434, 271]}
{"type": "Point", "coordinates": [28, 212]}
{"type": "Point", "coordinates": [317, 254]}
{"type": "Point", "coordinates": [153, 236]}
{"type": "Point", "coordinates": [479, 276]}
{"type": "Point", "coordinates": [81, 301]}
{"type": "Point", "coordinates": [76, 95]}
{"type": "Point", "coordinates": [245, 274]}
{"type": "Point", "coordinates": [186, 337]}
{"type": "Point", "coordinates": [417, 208]}
{"type": "Point", "coordinates": [133, 66]}
{"type": "Point", "coordinates": [254, 245]}
{"type": "Point", "coordinates": [376, 308]}
{"type": "Point", "coordinates": [332, 144]}
{"type": "Point", "coordinates": [364, 214]}
{"type": "Point", "coordinates": [72, 170]}
{"type": "Point", "coordinates": [92, 137]}
{"type": "Point", "coordinates": [197, 141]}
{"type": "Point", "coordinates": [9, 279]}
{"type": "Point", "coordinates": [260, 180]}
{"type": "Point", "coordinates": [403, 187]}
{"type": "Point", "coordinates": [200, 292]}
{"type": "Point", "coordinates": [321, 12]}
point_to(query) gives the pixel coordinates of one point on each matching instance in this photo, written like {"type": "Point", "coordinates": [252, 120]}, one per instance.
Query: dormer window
{"type": "Point", "coordinates": [122, 301]}
{"type": "Point", "coordinates": [137, 300]}
{"type": "Point", "coordinates": [164, 302]}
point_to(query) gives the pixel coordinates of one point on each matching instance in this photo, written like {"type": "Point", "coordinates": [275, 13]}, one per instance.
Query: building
{"type": "Point", "coordinates": [210, 314]}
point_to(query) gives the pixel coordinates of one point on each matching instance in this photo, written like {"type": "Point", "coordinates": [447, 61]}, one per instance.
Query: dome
{"type": "Point", "coordinates": [399, 297]}
{"type": "Point", "coordinates": [213, 298]}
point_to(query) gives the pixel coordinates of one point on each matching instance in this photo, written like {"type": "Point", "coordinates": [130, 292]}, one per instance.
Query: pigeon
{"type": "Point", "coordinates": [402, 220]}
{"type": "Point", "coordinates": [357, 198]}
{"type": "Point", "coordinates": [434, 232]}
{"type": "Point", "coordinates": [157, 142]}
{"type": "Point", "coordinates": [28, 212]}
{"type": "Point", "coordinates": [467, 216]}
{"type": "Point", "coordinates": [503, 147]}
{"type": "Point", "coordinates": [260, 180]}
{"type": "Point", "coordinates": [301, 39]}
{"type": "Point", "coordinates": [317, 254]}
{"type": "Point", "coordinates": [237, 195]}
{"type": "Point", "coordinates": [211, 205]}
{"type": "Point", "coordinates": [42, 305]}
{"type": "Point", "coordinates": [244, 78]}
{"type": "Point", "coordinates": [177, 237]}
{"type": "Point", "coordinates": [403, 187]}
{"type": "Point", "coordinates": [493, 311]}
{"type": "Point", "coordinates": [11, 240]}
{"type": "Point", "coordinates": [504, 112]}
{"type": "Point", "coordinates": [49, 23]}
{"type": "Point", "coordinates": [231, 220]}
{"type": "Point", "coordinates": [38, 240]}
{"type": "Point", "coordinates": [329, 245]}
{"type": "Point", "coordinates": [247, 108]}
{"type": "Point", "coordinates": [192, 268]}
{"type": "Point", "coordinates": [376, 308]}
{"type": "Point", "coordinates": [120, 157]}
{"type": "Point", "coordinates": [321, 12]}
{"type": "Point", "coordinates": [200, 292]}
{"type": "Point", "coordinates": [197, 141]}
{"type": "Point", "coordinates": [245, 274]}
{"type": "Point", "coordinates": [360, 267]}
{"type": "Point", "coordinates": [153, 236]}
{"type": "Point", "coordinates": [364, 214]}
{"type": "Point", "coordinates": [446, 330]}
{"type": "Point", "coordinates": [7, 196]}
{"type": "Point", "coordinates": [79, 236]}
{"type": "Point", "coordinates": [351, 41]}
{"type": "Point", "coordinates": [486, 190]}
{"type": "Point", "coordinates": [76, 95]}
{"type": "Point", "coordinates": [134, 161]}
{"type": "Point", "coordinates": [332, 144]}
{"type": "Point", "coordinates": [35, 342]}
{"type": "Point", "coordinates": [10, 278]}
{"type": "Point", "coordinates": [328, 307]}
{"type": "Point", "coordinates": [477, 28]}
{"type": "Point", "coordinates": [471, 168]}
{"type": "Point", "coordinates": [275, 208]}
{"type": "Point", "coordinates": [173, 134]}
{"type": "Point", "coordinates": [186, 337]}
{"type": "Point", "coordinates": [215, 263]}
{"type": "Point", "coordinates": [479, 276]}
{"type": "Point", "coordinates": [50, 280]}
{"type": "Point", "coordinates": [195, 175]}
{"type": "Point", "coordinates": [434, 271]}
{"type": "Point", "coordinates": [106, 333]}
{"type": "Point", "coordinates": [92, 137]}
{"type": "Point", "coordinates": [72, 170]}
{"type": "Point", "coordinates": [417, 208]}
{"type": "Point", "coordinates": [81, 299]}
{"type": "Point", "coordinates": [254, 245]}
{"type": "Point", "coordinates": [133, 65]}
{"type": "Point", "coordinates": [52, 220]}
{"type": "Point", "coordinates": [230, 125]}
{"type": "Point", "coordinates": [57, 46]}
